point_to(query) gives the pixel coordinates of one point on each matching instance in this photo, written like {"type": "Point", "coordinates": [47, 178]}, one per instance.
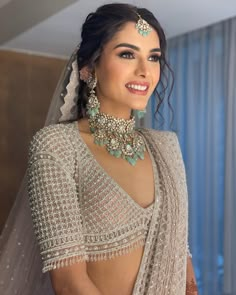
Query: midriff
{"type": "Point", "coordinates": [116, 276]}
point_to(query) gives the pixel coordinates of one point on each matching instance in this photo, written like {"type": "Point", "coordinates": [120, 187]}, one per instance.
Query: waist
{"type": "Point", "coordinates": [116, 276]}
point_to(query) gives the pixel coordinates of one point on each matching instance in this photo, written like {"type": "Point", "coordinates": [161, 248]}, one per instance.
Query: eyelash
{"type": "Point", "coordinates": [130, 55]}
{"type": "Point", "coordinates": [126, 54]}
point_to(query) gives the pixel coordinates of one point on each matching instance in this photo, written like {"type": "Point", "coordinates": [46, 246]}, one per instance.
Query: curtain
{"type": "Point", "coordinates": [230, 161]}
{"type": "Point", "coordinates": [204, 104]}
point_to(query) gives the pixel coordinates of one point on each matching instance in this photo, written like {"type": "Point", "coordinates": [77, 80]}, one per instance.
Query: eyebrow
{"type": "Point", "coordinates": [135, 47]}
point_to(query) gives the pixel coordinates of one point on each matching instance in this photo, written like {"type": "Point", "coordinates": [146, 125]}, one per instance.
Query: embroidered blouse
{"type": "Point", "coordinates": [79, 212]}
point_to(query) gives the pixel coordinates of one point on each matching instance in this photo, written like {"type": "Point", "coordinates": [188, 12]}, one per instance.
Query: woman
{"type": "Point", "coordinates": [108, 201]}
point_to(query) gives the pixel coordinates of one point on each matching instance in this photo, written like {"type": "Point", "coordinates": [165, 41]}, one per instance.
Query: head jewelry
{"type": "Point", "coordinates": [143, 26]}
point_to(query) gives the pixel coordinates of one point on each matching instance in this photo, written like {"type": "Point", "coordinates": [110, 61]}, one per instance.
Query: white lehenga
{"type": "Point", "coordinates": [163, 266]}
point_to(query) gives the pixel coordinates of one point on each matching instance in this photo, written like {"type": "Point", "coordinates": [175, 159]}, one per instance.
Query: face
{"type": "Point", "coordinates": [128, 71]}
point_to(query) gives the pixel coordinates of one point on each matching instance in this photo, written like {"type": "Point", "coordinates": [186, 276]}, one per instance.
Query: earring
{"type": "Point", "coordinates": [93, 104]}
{"type": "Point", "coordinates": [140, 114]}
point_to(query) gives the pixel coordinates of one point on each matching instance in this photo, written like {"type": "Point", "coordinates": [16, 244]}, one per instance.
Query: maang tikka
{"type": "Point", "coordinates": [118, 135]}
{"type": "Point", "coordinates": [143, 26]}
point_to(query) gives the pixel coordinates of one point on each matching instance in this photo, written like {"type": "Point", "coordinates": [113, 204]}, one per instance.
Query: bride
{"type": "Point", "coordinates": [108, 201]}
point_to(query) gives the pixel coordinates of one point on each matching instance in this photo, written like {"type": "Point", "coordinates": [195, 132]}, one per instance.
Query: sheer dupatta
{"type": "Point", "coordinates": [20, 263]}
{"type": "Point", "coordinates": [163, 266]}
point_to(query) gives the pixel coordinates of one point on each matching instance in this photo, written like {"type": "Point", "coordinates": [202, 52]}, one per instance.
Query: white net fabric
{"type": "Point", "coordinates": [79, 212]}
{"type": "Point", "coordinates": [20, 265]}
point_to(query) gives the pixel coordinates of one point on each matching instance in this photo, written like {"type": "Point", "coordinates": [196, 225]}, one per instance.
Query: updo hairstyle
{"type": "Point", "coordinates": [100, 27]}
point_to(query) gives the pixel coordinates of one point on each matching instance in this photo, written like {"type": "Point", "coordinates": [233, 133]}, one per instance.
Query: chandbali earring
{"type": "Point", "coordinates": [140, 113]}
{"type": "Point", "coordinates": [93, 104]}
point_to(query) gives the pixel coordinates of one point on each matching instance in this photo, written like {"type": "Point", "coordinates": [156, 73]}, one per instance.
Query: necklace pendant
{"type": "Point", "coordinates": [132, 161]}
{"type": "Point", "coordinates": [116, 153]}
{"type": "Point", "coordinates": [119, 137]}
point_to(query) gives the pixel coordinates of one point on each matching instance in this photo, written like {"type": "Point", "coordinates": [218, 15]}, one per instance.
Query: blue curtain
{"type": "Point", "coordinates": [202, 99]}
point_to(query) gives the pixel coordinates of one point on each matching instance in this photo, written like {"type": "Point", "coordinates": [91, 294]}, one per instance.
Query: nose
{"type": "Point", "coordinates": [142, 69]}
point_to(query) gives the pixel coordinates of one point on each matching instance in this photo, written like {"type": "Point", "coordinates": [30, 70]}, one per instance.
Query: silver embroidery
{"type": "Point", "coordinates": [65, 235]}
{"type": "Point", "coordinates": [80, 214]}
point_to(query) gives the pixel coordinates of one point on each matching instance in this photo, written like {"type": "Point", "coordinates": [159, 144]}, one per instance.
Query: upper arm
{"type": "Point", "coordinates": [55, 208]}
{"type": "Point", "coordinates": [69, 278]}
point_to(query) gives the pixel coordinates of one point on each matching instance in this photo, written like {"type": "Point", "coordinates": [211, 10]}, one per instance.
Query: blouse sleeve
{"type": "Point", "coordinates": [55, 211]}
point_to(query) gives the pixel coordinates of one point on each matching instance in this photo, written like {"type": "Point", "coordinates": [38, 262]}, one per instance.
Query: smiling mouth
{"type": "Point", "coordinates": [137, 87]}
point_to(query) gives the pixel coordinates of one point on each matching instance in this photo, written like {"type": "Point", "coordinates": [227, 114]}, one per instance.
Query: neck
{"type": "Point", "coordinates": [116, 111]}
{"type": "Point", "coordinates": [115, 132]}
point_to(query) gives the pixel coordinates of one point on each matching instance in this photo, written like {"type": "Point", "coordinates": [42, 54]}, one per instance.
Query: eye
{"type": "Point", "coordinates": [155, 58]}
{"type": "Point", "coordinates": [126, 54]}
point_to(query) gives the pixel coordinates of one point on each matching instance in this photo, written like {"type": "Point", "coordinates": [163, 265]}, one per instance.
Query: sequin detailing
{"type": "Point", "coordinates": [81, 214]}
{"type": "Point", "coordinates": [163, 266]}
{"type": "Point", "coordinates": [78, 214]}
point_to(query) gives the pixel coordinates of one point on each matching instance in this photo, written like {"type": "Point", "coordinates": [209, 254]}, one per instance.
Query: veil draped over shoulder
{"type": "Point", "coordinates": [20, 263]}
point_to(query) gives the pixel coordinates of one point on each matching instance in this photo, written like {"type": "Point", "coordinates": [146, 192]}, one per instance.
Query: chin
{"type": "Point", "coordinates": [139, 107]}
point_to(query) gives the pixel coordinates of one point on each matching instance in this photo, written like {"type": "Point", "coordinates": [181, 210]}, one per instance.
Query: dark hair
{"type": "Point", "coordinates": [100, 27]}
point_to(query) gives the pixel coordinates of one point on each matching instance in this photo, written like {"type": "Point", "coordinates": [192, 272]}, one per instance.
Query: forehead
{"type": "Point", "coordinates": [129, 34]}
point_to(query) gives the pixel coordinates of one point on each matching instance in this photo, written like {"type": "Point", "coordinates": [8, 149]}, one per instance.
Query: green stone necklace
{"type": "Point", "coordinates": [118, 136]}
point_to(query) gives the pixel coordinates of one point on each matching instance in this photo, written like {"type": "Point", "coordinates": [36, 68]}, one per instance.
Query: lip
{"type": "Point", "coordinates": [138, 91]}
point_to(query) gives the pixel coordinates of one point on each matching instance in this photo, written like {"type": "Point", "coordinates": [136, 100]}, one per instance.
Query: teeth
{"type": "Point", "coordinates": [137, 87]}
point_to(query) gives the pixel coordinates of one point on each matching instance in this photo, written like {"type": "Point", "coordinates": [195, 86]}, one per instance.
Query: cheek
{"type": "Point", "coordinates": [111, 72]}
{"type": "Point", "coordinates": [109, 77]}
{"type": "Point", "coordinates": [117, 71]}
{"type": "Point", "coordinates": [156, 75]}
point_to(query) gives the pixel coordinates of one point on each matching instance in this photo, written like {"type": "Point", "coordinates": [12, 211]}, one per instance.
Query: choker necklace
{"type": "Point", "coordinates": [118, 136]}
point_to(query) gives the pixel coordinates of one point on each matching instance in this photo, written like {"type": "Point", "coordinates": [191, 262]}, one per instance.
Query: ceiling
{"type": "Point", "coordinates": [56, 31]}
{"type": "Point", "coordinates": [4, 2]}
